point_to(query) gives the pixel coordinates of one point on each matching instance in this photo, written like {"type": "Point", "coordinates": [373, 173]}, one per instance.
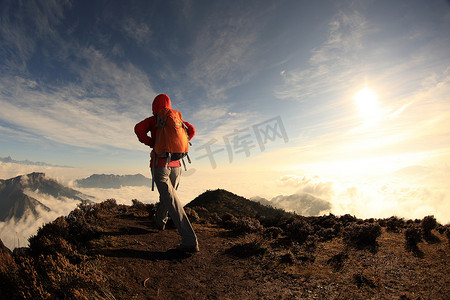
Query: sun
{"type": "Point", "coordinates": [368, 106]}
{"type": "Point", "coordinates": [366, 101]}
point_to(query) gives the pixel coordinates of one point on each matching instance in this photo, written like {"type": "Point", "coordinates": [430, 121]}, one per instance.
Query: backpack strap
{"type": "Point", "coordinates": [160, 122]}
{"type": "Point", "coordinates": [184, 164]}
{"type": "Point", "coordinates": [155, 162]}
{"type": "Point", "coordinates": [169, 158]}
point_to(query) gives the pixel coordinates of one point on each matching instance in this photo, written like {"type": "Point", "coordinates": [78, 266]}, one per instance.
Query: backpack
{"type": "Point", "coordinates": [171, 138]}
{"type": "Point", "coordinates": [172, 141]}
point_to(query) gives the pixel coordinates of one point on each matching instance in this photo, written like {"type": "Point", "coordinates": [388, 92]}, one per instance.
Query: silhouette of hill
{"type": "Point", "coordinates": [113, 181]}
{"type": "Point", "coordinates": [15, 203]}
{"type": "Point", "coordinates": [221, 201]}
{"type": "Point", "coordinates": [110, 251]}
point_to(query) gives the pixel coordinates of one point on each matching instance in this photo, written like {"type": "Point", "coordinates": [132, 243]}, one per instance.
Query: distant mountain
{"type": "Point", "coordinates": [15, 203]}
{"type": "Point", "coordinates": [113, 181]}
{"type": "Point", "coordinates": [303, 204]}
{"type": "Point", "coordinates": [221, 202]}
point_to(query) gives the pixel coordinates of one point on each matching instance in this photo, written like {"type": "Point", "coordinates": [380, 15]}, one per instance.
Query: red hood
{"type": "Point", "coordinates": [161, 101]}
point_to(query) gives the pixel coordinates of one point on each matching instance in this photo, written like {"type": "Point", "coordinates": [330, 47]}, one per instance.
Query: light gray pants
{"type": "Point", "coordinates": [166, 180]}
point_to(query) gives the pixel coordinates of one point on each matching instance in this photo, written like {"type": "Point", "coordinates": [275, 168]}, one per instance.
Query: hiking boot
{"type": "Point", "coordinates": [187, 248]}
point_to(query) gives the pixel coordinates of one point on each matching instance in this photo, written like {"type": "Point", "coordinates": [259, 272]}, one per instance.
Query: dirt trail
{"type": "Point", "coordinates": [142, 263]}
{"type": "Point", "coordinates": [108, 251]}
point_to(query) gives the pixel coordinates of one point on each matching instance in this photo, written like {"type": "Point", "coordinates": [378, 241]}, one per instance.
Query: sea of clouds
{"type": "Point", "coordinates": [410, 193]}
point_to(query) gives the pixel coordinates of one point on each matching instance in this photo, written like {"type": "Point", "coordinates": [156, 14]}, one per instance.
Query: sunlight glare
{"type": "Point", "coordinates": [367, 101]}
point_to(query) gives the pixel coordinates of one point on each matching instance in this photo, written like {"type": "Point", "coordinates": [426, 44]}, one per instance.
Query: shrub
{"type": "Point", "coordinates": [214, 218]}
{"type": "Point", "coordinates": [138, 205]}
{"type": "Point", "coordinates": [310, 244]}
{"type": "Point", "coordinates": [428, 224]}
{"type": "Point", "coordinates": [82, 225]}
{"type": "Point", "coordinates": [272, 232]}
{"type": "Point", "coordinates": [337, 261]}
{"type": "Point", "coordinates": [151, 209]}
{"type": "Point", "coordinates": [192, 215]}
{"type": "Point", "coordinates": [326, 234]}
{"type": "Point", "coordinates": [299, 230]}
{"type": "Point", "coordinates": [41, 242]}
{"type": "Point", "coordinates": [362, 235]}
{"type": "Point", "coordinates": [441, 229]}
{"type": "Point", "coordinates": [413, 235]}
{"type": "Point", "coordinates": [229, 221]}
{"type": "Point", "coordinates": [277, 220]}
{"type": "Point", "coordinates": [338, 228]}
{"type": "Point", "coordinates": [395, 224]}
{"type": "Point", "coordinates": [202, 213]}
{"type": "Point", "coordinates": [205, 216]}
{"type": "Point", "coordinates": [324, 222]}
{"type": "Point", "coordinates": [247, 225]}
{"type": "Point", "coordinates": [447, 233]}
{"type": "Point", "coordinates": [108, 205]}
{"type": "Point", "coordinates": [347, 219]}
{"type": "Point", "coordinates": [246, 250]}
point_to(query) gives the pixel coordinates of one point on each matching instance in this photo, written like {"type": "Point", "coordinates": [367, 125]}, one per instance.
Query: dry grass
{"type": "Point", "coordinates": [108, 251]}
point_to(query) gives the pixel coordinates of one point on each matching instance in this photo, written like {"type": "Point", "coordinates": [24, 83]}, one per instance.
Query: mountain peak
{"type": "Point", "coordinates": [223, 201]}
{"type": "Point", "coordinates": [111, 181]}
{"type": "Point", "coordinates": [15, 202]}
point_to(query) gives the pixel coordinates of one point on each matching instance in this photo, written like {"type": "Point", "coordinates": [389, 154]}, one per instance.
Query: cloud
{"type": "Point", "coordinates": [16, 233]}
{"type": "Point", "coordinates": [62, 174]}
{"type": "Point", "coordinates": [138, 31]}
{"type": "Point", "coordinates": [345, 35]}
{"type": "Point", "coordinates": [225, 47]}
{"type": "Point", "coordinates": [313, 186]}
{"type": "Point", "coordinates": [312, 196]}
{"type": "Point", "coordinates": [27, 162]}
{"type": "Point", "coordinates": [218, 121]}
{"type": "Point", "coordinates": [96, 108]}
{"type": "Point", "coordinates": [124, 195]}
{"type": "Point", "coordinates": [302, 203]}
{"type": "Point", "coordinates": [99, 113]}
{"type": "Point", "coordinates": [19, 38]}
{"type": "Point", "coordinates": [395, 197]}
{"type": "Point", "coordinates": [411, 192]}
{"type": "Point", "coordinates": [332, 64]}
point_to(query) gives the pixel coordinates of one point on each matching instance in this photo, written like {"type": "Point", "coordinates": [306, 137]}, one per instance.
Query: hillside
{"type": "Point", "coordinates": [110, 251]}
{"type": "Point", "coordinates": [15, 203]}
{"type": "Point", "coordinates": [222, 201]}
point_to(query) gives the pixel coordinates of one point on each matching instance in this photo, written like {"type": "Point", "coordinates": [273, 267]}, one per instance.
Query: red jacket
{"type": "Point", "coordinates": [149, 125]}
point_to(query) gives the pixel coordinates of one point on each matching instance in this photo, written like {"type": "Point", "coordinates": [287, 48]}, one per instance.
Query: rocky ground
{"type": "Point", "coordinates": [118, 253]}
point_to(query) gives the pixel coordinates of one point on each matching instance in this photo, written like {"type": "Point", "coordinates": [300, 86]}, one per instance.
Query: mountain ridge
{"type": "Point", "coordinates": [15, 203]}
{"type": "Point", "coordinates": [112, 181]}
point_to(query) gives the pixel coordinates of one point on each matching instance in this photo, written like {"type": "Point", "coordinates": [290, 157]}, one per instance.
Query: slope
{"type": "Point", "coordinates": [110, 251]}
{"type": "Point", "coordinates": [222, 201]}
{"type": "Point", "coordinates": [15, 203]}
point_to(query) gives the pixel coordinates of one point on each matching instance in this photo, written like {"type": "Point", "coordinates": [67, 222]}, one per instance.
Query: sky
{"type": "Point", "coordinates": [347, 101]}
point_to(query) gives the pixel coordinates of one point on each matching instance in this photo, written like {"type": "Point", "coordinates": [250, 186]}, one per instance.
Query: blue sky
{"type": "Point", "coordinates": [77, 75]}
